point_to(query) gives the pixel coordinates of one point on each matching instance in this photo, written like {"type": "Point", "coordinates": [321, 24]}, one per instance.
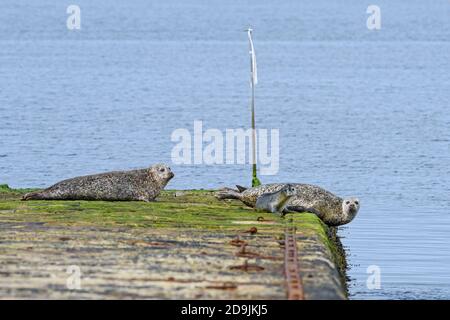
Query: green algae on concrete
{"type": "Point", "coordinates": [180, 225]}
{"type": "Point", "coordinates": [188, 209]}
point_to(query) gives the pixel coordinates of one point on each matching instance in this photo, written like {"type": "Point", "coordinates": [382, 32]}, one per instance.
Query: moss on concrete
{"type": "Point", "coordinates": [186, 210]}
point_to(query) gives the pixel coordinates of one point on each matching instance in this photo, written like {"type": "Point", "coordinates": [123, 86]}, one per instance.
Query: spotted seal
{"type": "Point", "coordinates": [333, 210]}
{"type": "Point", "coordinates": [142, 184]}
{"type": "Point", "coordinates": [275, 201]}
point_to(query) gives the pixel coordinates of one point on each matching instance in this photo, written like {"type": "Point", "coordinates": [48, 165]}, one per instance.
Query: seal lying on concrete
{"type": "Point", "coordinates": [275, 201]}
{"type": "Point", "coordinates": [333, 210]}
{"type": "Point", "coordinates": [142, 184]}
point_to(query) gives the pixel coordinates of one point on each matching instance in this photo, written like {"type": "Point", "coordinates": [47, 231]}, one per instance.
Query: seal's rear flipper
{"type": "Point", "coordinates": [36, 195]}
{"type": "Point", "coordinates": [228, 193]}
{"type": "Point", "coordinates": [241, 188]}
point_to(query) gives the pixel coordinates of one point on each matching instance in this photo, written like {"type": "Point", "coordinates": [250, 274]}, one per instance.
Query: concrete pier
{"type": "Point", "coordinates": [187, 245]}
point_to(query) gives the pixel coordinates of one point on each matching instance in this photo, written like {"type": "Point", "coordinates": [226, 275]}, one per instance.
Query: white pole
{"type": "Point", "coordinates": [253, 81]}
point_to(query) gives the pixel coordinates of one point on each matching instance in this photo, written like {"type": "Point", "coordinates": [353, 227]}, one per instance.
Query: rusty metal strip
{"type": "Point", "coordinates": [292, 271]}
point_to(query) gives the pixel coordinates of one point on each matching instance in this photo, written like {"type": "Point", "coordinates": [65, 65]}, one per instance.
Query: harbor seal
{"type": "Point", "coordinates": [331, 209]}
{"type": "Point", "coordinates": [142, 184]}
{"type": "Point", "coordinates": [275, 201]}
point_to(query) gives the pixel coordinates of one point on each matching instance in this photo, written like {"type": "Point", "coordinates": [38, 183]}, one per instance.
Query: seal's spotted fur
{"type": "Point", "coordinates": [142, 184]}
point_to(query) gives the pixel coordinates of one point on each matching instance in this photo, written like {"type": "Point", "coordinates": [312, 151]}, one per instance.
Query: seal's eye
{"type": "Point", "coordinates": [162, 169]}
{"type": "Point", "coordinates": [347, 202]}
{"type": "Point", "coordinates": [356, 202]}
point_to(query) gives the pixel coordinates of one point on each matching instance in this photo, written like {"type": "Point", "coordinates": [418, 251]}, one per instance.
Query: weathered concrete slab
{"type": "Point", "coordinates": [181, 247]}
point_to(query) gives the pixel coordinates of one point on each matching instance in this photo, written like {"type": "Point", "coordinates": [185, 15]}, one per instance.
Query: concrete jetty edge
{"type": "Point", "coordinates": [186, 245]}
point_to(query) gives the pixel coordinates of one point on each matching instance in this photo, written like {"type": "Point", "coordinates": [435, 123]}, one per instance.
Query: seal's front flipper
{"type": "Point", "coordinates": [144, 199]}
{"type": "Point", "coordinates": [286, 211]}
{"type": "Point", "coordinates": [297, 209]}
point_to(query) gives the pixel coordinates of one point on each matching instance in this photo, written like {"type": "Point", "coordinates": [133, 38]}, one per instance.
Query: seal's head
{"type": "Point", "coordinates": [162, 173]}
{"type": "Point", "coordinates": [350, 207]}
{"type": "Point", "coordinates": [288, 190]}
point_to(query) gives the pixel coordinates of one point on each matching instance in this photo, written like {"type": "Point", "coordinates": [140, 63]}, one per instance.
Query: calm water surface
{"type": "Point", "coordinates": [360, 113]}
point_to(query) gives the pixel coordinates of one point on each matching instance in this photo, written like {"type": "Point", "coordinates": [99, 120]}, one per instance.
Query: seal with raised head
{"type": "Point", "coordinates": [331, 209]}
{"type": "Point", "coordinates": [142, 184]}
{"type": "Point", "coordinates": [275, 201]}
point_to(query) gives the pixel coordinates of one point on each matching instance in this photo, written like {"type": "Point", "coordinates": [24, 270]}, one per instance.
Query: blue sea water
{"type": "Point", "coordinates": [360, 112]}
